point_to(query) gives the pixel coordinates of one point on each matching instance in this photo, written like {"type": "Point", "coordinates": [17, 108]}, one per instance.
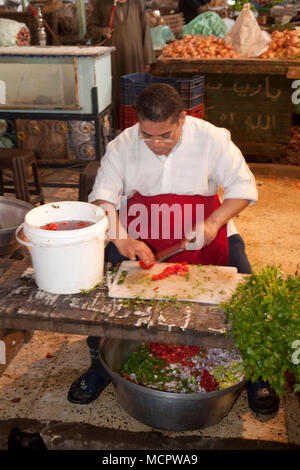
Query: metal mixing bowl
{"type": "Point", "coordinates": [163, 410]}
{"type": "Point", "coordinates": [12, 214]}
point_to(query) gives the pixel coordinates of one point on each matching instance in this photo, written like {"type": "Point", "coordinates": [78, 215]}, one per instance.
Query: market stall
{"type": "Point", "coordinates": [250, 71]}
{"type": "Point", "coordinates": [250, 78]}
{"type": "Point", "coordinates": [250, 97]}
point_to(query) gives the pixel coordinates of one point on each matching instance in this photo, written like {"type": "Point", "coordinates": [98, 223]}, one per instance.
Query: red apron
{"type": "Point", "coordinates": [216, 253]}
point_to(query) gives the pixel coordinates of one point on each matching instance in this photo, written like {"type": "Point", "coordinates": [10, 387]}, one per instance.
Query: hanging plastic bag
{"type": "Point", "coordinates": [160, 35]}
{"type": "Point", "coordinates": [206, 24]}
{"type": "Point", "coordinates": [13, 33]}
{"type": "Point", "coordinates": [246, 37]}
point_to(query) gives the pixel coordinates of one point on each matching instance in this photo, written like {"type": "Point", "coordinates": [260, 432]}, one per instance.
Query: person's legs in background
{"type": "Point", "coordinates": [237, 254]}
{"type": "Point", "coordinates": [261, 397]}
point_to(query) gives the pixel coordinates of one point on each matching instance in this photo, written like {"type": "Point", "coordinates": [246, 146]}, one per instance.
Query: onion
{"type": "Point", "coordinates": [283, 44]}
{"type": "Point", "coordinates": [199, 47]}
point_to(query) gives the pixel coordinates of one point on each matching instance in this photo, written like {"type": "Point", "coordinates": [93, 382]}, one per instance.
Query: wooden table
{"type": "Point", "coordinates": [24, 306]}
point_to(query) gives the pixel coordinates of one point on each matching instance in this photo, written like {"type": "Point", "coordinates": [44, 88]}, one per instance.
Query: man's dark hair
{"type": "Point", "coordinates": [158, 103]}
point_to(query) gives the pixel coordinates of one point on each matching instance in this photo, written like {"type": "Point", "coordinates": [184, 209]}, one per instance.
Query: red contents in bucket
{"type": "Point", "coordinates": [67, 225]}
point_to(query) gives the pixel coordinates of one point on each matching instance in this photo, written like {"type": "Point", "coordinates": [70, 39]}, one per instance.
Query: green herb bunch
{"type": "Point", "coordinates": [264, 313]}
{"type": "Point", "coordinates": [239, 5]}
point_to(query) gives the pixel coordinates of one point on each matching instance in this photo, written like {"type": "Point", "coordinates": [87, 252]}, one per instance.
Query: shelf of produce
{"type": "Point", "coordinates": [250, 97]}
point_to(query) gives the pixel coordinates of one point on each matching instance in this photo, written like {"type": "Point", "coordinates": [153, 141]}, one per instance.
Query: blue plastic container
{"type": "Point", "coordinates": [191, 90]}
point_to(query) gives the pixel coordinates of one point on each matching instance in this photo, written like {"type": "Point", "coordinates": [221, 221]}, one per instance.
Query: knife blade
{"type": "Point", "coordinates": [178, 247]}
{"type": "Point", "coordinates": [166, 253]}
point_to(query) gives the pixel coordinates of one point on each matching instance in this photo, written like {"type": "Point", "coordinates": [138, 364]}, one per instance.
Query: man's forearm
{"type": "Point", "coordinates": [228, 209]}
{"type": "Point", "coordinates": [115, 228]}
{"type": "Point", "coordinates": [126, 245]}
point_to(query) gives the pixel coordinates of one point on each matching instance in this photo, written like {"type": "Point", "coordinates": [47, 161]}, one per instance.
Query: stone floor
{"type": "Point", "coordinates": [34, 387]}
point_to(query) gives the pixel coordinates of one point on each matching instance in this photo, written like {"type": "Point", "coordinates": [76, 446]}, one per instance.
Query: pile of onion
{"type": "Point", "coordinates": [284, 44]}
{"type": "Point", "coordinates": [199, 47]}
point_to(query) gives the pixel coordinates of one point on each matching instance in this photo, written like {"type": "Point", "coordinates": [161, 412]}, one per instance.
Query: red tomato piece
{"type": "Point", "coordinates": [51, 226]}
{"type": "Point", "coordinates": [179, 268]}
{"type": "Point", "coordinates": [143, 265]}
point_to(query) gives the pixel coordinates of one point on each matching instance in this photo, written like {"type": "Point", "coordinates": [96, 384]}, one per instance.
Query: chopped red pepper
{"type": "Point", "coordinates": [174, 352]}
{"type": "Point", "coordinates": [208, 382]}
{"type": "Point", "coordinates": [178, 268]}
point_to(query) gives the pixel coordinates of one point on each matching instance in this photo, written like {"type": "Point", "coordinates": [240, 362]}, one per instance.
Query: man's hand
{"type": "Point", "coordinates": [210, 232]}
{"type": "Point", "coordinates": [132, 248]}
{"type": "Point", "coordinates": [107, 33]}
{"type": "Point", "coordinates": [221, 216]}
{"type": "Point", "coordinates": [205, 234]}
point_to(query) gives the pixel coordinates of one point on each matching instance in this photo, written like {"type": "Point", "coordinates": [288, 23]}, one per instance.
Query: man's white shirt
{"type": "Point", "coordinates": [203, 159]}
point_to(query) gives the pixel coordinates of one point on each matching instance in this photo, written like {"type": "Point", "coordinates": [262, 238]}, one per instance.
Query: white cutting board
{"type": "Point", "coordinates": [206, 284]}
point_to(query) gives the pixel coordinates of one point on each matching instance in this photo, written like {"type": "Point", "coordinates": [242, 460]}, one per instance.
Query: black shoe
{"type": "Point", "coordinates": [87, 388]}
{"type": "Point", "coordinates": [262, 398]}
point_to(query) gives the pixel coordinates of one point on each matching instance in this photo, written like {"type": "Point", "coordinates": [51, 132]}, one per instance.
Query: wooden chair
{"type": "Point", "coordinates": [18, 161]}
{"type": "Point", "coordinates": [86, 180]}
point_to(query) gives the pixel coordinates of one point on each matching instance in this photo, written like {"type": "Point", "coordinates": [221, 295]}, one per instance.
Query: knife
{"type": "Point", "coordinates": [173, 250]}
{"type": "Point", "coordinates": [162, 255]}
{"type": "Point", "coordinates": [181, 245]}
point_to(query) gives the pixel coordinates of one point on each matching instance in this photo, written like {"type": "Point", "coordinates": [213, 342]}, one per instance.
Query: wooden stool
{"type": "Point", "coordinates": [86, 180]}
{"type": "Point", "coordinates": [18, 161]}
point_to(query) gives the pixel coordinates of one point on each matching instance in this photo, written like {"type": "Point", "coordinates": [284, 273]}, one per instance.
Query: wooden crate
{"type": "Point", "coordinates": [250, 97]}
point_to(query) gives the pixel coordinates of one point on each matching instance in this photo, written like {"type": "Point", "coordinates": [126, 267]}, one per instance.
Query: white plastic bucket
{"type": "Point", "coordinates": [67, 261]}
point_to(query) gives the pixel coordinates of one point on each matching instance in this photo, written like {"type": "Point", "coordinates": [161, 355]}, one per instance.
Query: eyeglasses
{"type": "Point", "coordinates": [160, 139]}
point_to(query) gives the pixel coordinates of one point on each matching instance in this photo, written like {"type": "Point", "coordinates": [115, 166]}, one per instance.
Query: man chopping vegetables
{"type": "Point", "coordinates": [170, 160]}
